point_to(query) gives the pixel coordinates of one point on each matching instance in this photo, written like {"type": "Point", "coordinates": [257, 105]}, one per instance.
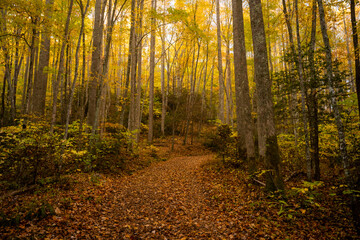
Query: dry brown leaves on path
{"type": "Point", "coordinates": [167, 200]}
{"type": "Point", "coordinates": [185, 197]}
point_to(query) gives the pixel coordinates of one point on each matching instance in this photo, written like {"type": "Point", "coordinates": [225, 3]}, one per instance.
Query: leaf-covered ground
{"type": "Point", "coordinates": [185, 197]}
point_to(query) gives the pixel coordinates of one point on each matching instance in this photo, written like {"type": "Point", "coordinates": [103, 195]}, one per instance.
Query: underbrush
{"type": "Point", "coordinates": [306, 210]}
{"type": "Point", "coordinates": [30, 154]}
{"type": "Point", "coordinates": [39, 170]}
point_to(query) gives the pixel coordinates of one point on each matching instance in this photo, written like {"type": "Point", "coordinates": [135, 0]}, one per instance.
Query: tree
{"type": "Point", "coordinates": [40, 82]}
{"type": "Point", "coordinates": [243, 106]}
{"type": "Point", "coordinates": [268, 146]}
{"type": "Point", "coordinates": [355, 38]}
{"type": "Point", "coordinates": [303, 95]}
{"type": "Point", "coordinates": [96, 62]}
{"type": "Point", "coordinates": [152, 73]}
{"type": "Point", "coordinates": [61, 66]}
{"type": "Point", "coordinates": [220, 70]}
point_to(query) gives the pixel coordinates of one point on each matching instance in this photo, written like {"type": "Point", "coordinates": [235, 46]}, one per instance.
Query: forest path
{"type": "Point", "coordinates": [168, 200]}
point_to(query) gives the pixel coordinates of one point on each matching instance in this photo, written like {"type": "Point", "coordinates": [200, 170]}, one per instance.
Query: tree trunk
{"type": "Point", "coordinates": [61, 66]}
{"type": "Point", "coordinates": [312, 102]}
{"type": "Point", "coordinates": [266, 123]}
{"type": "Point", "coordinates": [132, 45]}
{"type": "Point", "coordinates": [356, 50]}
{"type": "Point", "coordinates": [334, 103]}
{"type": "Point", "coordinates": [72, 90]}
{"type": "Point", "coordinates": [351, 75]}
{"type": "Point", "coordinates": [163, 91]}
{"type": "Point", "coordinates": [243, 105]}
{"type": "Point", "coordinates": [303, 95]}
{"type": "Point", "coordinates": [229, 96]}
{"type": "Point", "coordinates": [139, 76]}
{"type": "Point", "coordinates": [95, 63]}
{"type": "Point", "coordinates": [40, 82]}
{"type": "Point", "coordinates": [152, 74]}
{"type": "Point", "coordinates": [31, 67]}
{"type": "Point", "coordinates": [220, 70]}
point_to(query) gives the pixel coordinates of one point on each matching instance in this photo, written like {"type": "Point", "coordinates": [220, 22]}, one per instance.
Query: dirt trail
{"type": "Point", "coordinates": [166, 201]}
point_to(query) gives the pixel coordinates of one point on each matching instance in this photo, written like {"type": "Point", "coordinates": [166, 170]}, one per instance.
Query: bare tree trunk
{"type": "Point", "coordinates": [313, 105]}
{"type": "Point", "coordinates": [133, 71]}
{"type": "Point", "coordinates": [39, 92]}
{"type": "Point", "coordinates": [334, 103]}
{"type": "Point", "coordinates": [61, 66]}
{"type": "Point", "coordinates": [303, 96]}
{"type": "Point", "coordinates": [132, 45]}
{"type": "Point", "coordinates": [293, 97]}
{"type": "Point", "coordinates": [356, 50]}
{"type": "Point", "coordinates": [265, 110]}
{"type": "Point", "coordinates": [243, 105]}
{"type": "Point", "coordinates": [139, 76]}
{"type": "Point", "coordinates": [7, 76]}
{"type": "Point", "coordinates": [356, 200]}
{"type": "Point", "coordinates": [220, 70]}
{"type": "Point", "coordinates": [18, 63]}
{"type": "Point", "coordinates": [152, 74]}
{"type": "Point", "coordinates": [31, 66]}
{"type": "Point", "coordinates": [229, 105]}
{"type": "Point", "coordinates": [72, 90]}
{"type": "Point", "coordinates": [163, 93]}
{"type": "Point", "coordinates": [95, 63]}
{"type": "Point", "coordinates": [351, 80]}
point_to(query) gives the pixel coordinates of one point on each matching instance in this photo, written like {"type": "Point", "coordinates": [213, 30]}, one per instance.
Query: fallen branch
{"type": "Point", "coordinates": [258, 182]}
{"type": "Point", "coordinates": [295, 174]}
{"type": "Point", "coordinates": [17, 192]}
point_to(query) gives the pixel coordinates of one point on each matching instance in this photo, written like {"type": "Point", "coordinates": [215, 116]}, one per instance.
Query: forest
{"type": "Point", "coordinates": [179, 119]}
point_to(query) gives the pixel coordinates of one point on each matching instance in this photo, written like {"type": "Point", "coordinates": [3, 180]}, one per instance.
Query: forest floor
{"type": "Point", "coordinates": [188, 196]}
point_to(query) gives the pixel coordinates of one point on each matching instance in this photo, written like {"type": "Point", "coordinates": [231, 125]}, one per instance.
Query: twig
{"type": "Point", "coordinates": [20, 191]}
{"type": "Point", "coordinates": [258, 182]}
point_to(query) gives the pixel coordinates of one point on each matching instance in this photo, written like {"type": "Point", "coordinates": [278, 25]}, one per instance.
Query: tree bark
{"type": "Point", "coordinates": [356, 50]}
{"type": "Point", "coordinates": [152, 74]}
{"type": "Point", "coordinates": [334, 102]}
{"type": "Point", "coordinates": [139, 76]}
{"type": "Point", "coordinates": [243, 105]}
{"type": "Point", "coordinates": [312, 101]}
{"type": "Point", "coordinates": [303, 95]}
{"type": "Point", "coordinates": [40, 83]}
{"type": "Point", "coordinates": [61, 66]}
{"type": "Point", "coordinates": [72, 90]}
{"type": "Point", "coordinates": [163, 87]}
{"type": "Point", "coordinates": [266, 123]}
{"type": "Point", "coordinates": [220, 70]}
{"type": "Point", "coordinates": [95, 63]}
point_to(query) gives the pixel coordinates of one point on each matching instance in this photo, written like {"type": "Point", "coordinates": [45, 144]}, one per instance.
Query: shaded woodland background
{"type": "Point", "coordinates": [272, 86]}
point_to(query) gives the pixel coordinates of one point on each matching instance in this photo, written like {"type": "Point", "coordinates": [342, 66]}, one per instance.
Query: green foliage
{"type": "Point", "coordinates": [225, 143]}
{"type": "Point", "coordinates": [32, 155]}
{"type": "Point", "coordinates": [307, 193]}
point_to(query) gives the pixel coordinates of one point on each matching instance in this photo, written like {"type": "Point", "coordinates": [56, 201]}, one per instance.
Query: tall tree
{"type": "Point", "coordinates": [356, 49]}
{"type": "Point", "coordinates": [243, 105]}
{"type": "Point", "coordinates": [95, 62]}
{"type": "Point", "coordinates": [268, 145]}
{"type": "Point", "coordinates": [334, 102]}
{"type": "Point", "coordinates": [303, 94]}
{"type": "Point", "coordinates": [83, 12]}
{"type": "Point", "coordinates": [152, 72]}
{"type": "Point", "coordinates": [40, 82]}
{"type": "Point", "coordinates": [61, 66]}
{"type": "Point", "coordinates": [312, 99]}
{"type": "Point", "coordinates": [220, 70]}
